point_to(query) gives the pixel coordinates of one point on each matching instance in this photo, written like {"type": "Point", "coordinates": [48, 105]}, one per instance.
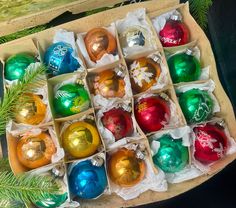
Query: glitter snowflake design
{"type": "Point", "coordinates": [62, 93]}
{"type": "Point", "coordinates": [139, 73]}
{"type": "Point", "coordinates": [206, 141]}
{"type": "Point", "coordinates": [202, 112]}
{"type": "Point", "coordinates": [60, 50]}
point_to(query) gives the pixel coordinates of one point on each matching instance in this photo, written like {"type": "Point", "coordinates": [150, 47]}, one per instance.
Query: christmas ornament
{"type": "Point", "coordinates": [71, 99]}
{"type": "Point", "coordinates": [172, 156]}
{"type": "Point", "coordinates": [59, 59]}
{"type": "Point", "coordinates": [16, 65]}
{"type": "Point", "coordinates": [35, 151]}
{"type": "Point", "coordinates": [80, 139]}
{"type": "Point", "coordinates": [197, 105]}
{"type": "Point", "coordinates": [119, 122]}
{"type": "Point", "coordinates": [109, 84]}
{"type": "Point", "coordinates": [210, 143]}
{"type": "Point", "coordinates": [174, 33]}
{"type": "Point", "coordinates": [152, 113]}
{"type": "Point", "coordinates": [144, 73]}
{"type": "Point", "coordinates": [184, 67]}
{"type": "Point", "coordinates": [125, 169]}
{"type": "Point", "coordinates": [87, 181]}
{"type": "Point", "coordinates": [133, 36]}
{"type": "Point", "coordinates": [98, 42]}
{"type": "Point", "coordinates": [30, 110]}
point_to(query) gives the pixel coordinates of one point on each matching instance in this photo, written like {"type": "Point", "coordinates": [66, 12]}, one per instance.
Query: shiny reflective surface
{"type": "Point", "coordinates": [87, 181]}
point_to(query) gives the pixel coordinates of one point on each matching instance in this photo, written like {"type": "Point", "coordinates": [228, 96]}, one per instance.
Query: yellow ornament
{"type": "Point", "coordinates": [80, 139]}
{"type": "Point", "coordinates": [31, 109]}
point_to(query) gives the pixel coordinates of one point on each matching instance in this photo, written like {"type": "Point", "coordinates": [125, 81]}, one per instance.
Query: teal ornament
{"type": "Point", "coordinates": [197, 105]}
{"type": "Point", "coordinates": [87, 180]}
{"type": "Point", "coordinates": [51, 200]}
{"type": "Point", "coordinates": [71, 99]}
{"type": "Point", "coordinates": [59, 59]}
{"type": "Point", "coordinates": [172, 156]}
{"type": "Point", "coordinates": [184, 67]}
{"type": "Point", "coordinates": [16, 65]}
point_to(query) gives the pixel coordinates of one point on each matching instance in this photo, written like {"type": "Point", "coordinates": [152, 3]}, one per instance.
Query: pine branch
{"type": "Point", "coordinates": [11, 204]}
{"type": "Point", "coordinates": [4, 165]}
{"type": "Point", "coordinates": [32, 79]}
{"type": "Point", "coordinates": [199, 9]}
{"type": "Point", "coordinates": [25, 187]}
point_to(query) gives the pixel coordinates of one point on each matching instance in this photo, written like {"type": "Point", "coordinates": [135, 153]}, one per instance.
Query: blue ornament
{"type": "Point", "coordinates": [59, 60]}
{"type": "Point", "coordinates": [87, 181]}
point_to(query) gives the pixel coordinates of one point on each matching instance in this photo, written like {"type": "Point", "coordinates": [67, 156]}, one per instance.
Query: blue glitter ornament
{"type": "Point", "coordinates": [59, 60]}
{"type": "Point", "coordinates": [87, 181]}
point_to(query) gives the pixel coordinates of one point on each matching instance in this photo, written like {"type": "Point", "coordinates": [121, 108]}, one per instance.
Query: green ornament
{"type": "Point", "coordinates": [172, 156]}
{"type": "Point", "coordinates": [184, 67]}
{"type": "Point", "coordinates": [197, 105]}
{"type": "Point", "coordinates": [71, 99]}
{"type": "Point", "coordinates": [16, 66]}
{"type": "Point", "coordinates": [51, 200]}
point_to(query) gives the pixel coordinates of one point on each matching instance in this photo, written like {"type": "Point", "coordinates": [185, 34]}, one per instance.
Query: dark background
{"type": "Point", "coordinates": [219, 191]}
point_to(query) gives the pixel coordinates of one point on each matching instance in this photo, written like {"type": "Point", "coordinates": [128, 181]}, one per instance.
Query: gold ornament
{"type": "Point", "coordinates": [80, 139]}
{"type": "Point", "coordinates": [125, 169]}
{"type": "Point", "coordinates": [35, 151]}
{"type": "Point", "coordinates": [31, 109]}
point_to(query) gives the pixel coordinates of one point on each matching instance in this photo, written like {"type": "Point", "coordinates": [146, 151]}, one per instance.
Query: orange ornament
{"type": "Point", "coordinates": [31, 109]}
{"type": "Point", "coordinates": [35, 151]}
{"type": "Point", "coordinates": [109, 84]}
{"type": "Point", "coordinates": [99, 41]}
{"type": "Point", "coordinates": [144, 73]}
{"type": "Point", "coordinates": [125, 169]}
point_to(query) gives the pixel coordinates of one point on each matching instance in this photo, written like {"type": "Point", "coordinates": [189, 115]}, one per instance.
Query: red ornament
{"type": "Point", "coordinates": [119, 122]}
{"type": "Point", "coordinates": [210, 143]}
{"type": "Point", "coordinates": [174, 33]}
{"type": "Point", "coordinates": [152, 113]}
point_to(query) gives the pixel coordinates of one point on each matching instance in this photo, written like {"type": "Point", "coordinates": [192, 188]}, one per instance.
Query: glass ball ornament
{"type": "Point", "coordinates": [119, 122]}
{"type": "Point", "coordinates": [16, 65]}
{"type": "Point", "coordinates": [184, 67]}
{"type": "Point", "coordinates": [34, 151]}
{"type": "Point", "coordinates": [144, 73]}
{"type": "Point", "coordinates": [210, 143]}
{"type": "Point", "coordinates": [174, 32]}
{"type": "Point", "coordinates": [172, 156]}
{"type": "Point", "coordinates": [152, 113]}
{"type": "Point", "coordinates": [71, 99]}
{"type": "Point", "coordinates": [81, 139]}
{"type": "Point", "coordinates": [197, 105]}
{"type": "Point", "coordinates": [30, 110]}
{"type": "Point", "coordinates": [125, 169]}
{"type": "Point", "coordinates": [98, 42]}
{"type": "Point", "coordinates": [59, 59]}
{"type": "Point", "coordinates": [87, 181]}
{"type": "Point", "coordinates": [109, 85]}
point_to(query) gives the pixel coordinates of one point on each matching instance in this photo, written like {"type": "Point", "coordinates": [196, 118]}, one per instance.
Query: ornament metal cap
{"type": "Point", "coordinates": [221, 123]}
{"type": "Point", "coordinates": [97, 161]}
{"type": "Point", "coordinates": [120, 71]}
{"type": "Point", "coordinates": [127, 108]}
{"type": "Point", "coordinates": [140, 154]}
{"type": "Point", "coordinates": [58, 171]}
{"type": "Point", "coordinates": [164, 96]}
{"type": "Point", "coordinates": [156, 58]}
{"type": "Point", "coordinates": [175, 17]}
{"type": "Point", "coordinates": [189, 51]}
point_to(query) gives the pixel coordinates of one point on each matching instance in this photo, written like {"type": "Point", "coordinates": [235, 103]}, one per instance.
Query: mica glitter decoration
{"type": "Point", "coordinates": [16, 65]}
{"type": "Point", "coordinates": [210, 143]}
{"type": "Point", "coordinates": [174, 32]}
{"type": "Point", "coordinates": [172, 156]}
{"type": "Point", "coordinates": [80, 139]}
{"type": "Point", "coordinates": [197, 105]}
{"type": "Point", "coordinates": [87, 181]}
{"type": "Point", "coordinates": [144, 73]}
{"type": "Point", "coordinates": [30, 110]}
{"type": "Point", "coordinates": [109, 84]}
{"type": "Point", "coordinates": [152, 113]}
{"type": "Point", "coordinates": [119, 122]}
{"type": "Point", "coordinates": [34, 151]}
{"type": "Point", "coordinates": [71, 99]}
{"type": "Point", "coordinates": [98, 42]}
{"type": "Point", "coordinates": [184, 67]}
{"type": "Point", "coordinates": [59, 59]}
{"type": "Point", "coordinates": [125, 169]}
